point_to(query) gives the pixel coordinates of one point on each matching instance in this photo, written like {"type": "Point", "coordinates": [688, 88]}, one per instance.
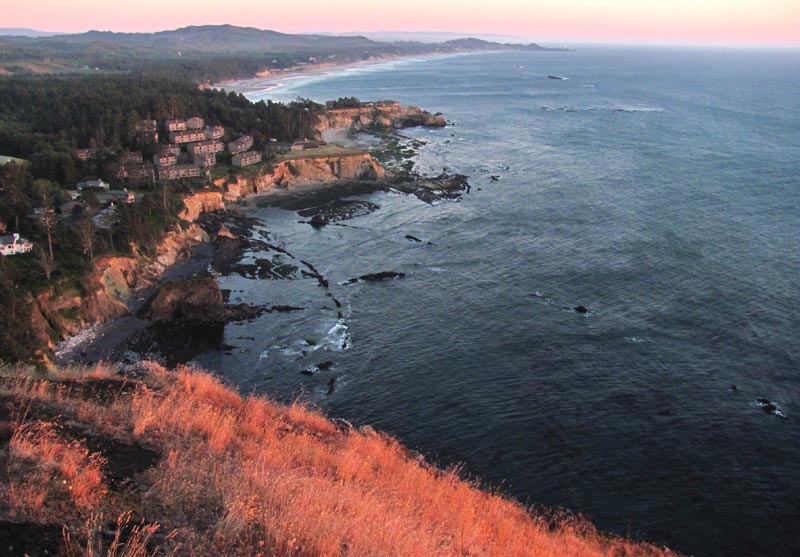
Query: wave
{"type": "Point", "coordinates": [630, 109]}
{"type": "Point", "coordinates": [338, 337]}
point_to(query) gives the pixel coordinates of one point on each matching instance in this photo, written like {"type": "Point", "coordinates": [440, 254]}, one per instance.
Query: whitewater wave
{"type": "Point", "coordinates": [629, 109]}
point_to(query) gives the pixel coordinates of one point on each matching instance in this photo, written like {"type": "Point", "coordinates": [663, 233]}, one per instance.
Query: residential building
{"type": "Point", "coordinates": [170, 148]}
{"type": "Point", "coordinates": [241, 144]}
{"type": "Point", "coordinates": [133, 156]}
{"type": "Point", "coordinates": [206, 146]}
{"type": "Point", "coordinates": [165, 158]}
{"type": "Point", "coordinates": [93, 185]}
{"type": "Point", "coordinates": [246, 159]}
{"type": "Point", "coordinates": [147, 129]}
{"type": "Point", "coordinates": [205, 159]}
{"type": "Point", "coordinates": [179, 171]}
{"type": "Point", "coordinates": [134, 171]}
{"type": "Point", "coordinates": [305, 145]}
{"type": "Point", "coordinates": [116, 196]}
{"type": "Point", "coordinates": [195, 123]}
{"type": "Point", "coordinates": [13, 244]}
{"type": "Point", "coordinates": [187, 137]}
{"type": "Point", "coordinates": [146, 126]}
{"type": "Point", "coordinates": [176, 125]}
{"type": "Point", "coordinates": [274, 146]}
{"type": "Point", "coordinates": [86, 154]}
{"type": "Point", "coordinates": [214, 132]}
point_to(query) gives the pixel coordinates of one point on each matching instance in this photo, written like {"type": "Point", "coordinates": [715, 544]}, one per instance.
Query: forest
{"type": "Point", "coordinates": [44, 119]}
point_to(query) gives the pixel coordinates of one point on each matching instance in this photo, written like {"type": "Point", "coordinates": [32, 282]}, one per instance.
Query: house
{"type": "Point", "coordinates": [68, 208]}
{"type": "Point", "coordinates": [274, 146]}
{"type": "Point", "coordinates": [176, 125]}
{"type": "Point", "coordinates": [240, 145]}
{"type": "Point", "coordinates": [86, 154]}
{"type": "Point", "coordinates": [93, 185]}
{"type": "Point", "coordinates": [246, 159]}
{"type": "Point", "coordinates": [14, 244]}
{"type": "Point", "coordinates": [305, 145]}
{"type": "Point", "coordinates": [170, 148]}
{"type": "Point", "coordinates": [146, 126]}
{"type": "Point", "coordinates": [178, 171]}
{"type": "Point", "coordinates": [134, 171]}
{"type": "Point", "coordinates": [205, 159]}
{"type": "Point", "coordinates": [116, 196]}
{"type": "Point", "coordinates": [214, 132]}
{"type": "Point", "coordinates": [133, 156]}
{"type": "Point", "coordinates": [195, 123]}
{"type": "Point", "coordinates": [207, 146]}
{"type": "Point", "coordinates": [187, 137]}
{"type": "Point", "coordinates": [165, 158]}
{"type": "Point", "coordinates": [147, 129]}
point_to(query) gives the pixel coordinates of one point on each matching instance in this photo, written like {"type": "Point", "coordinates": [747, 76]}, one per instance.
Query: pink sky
{"type": "Point", "coordinates": [659, 21]}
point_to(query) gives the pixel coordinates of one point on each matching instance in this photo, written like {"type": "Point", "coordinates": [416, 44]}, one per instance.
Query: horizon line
{"type": "Point", "coordinates": [559, 41]}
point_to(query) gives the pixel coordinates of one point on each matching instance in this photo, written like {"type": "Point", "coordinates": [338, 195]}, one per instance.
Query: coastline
{"type": "Point", "coordinates": [271, 80]}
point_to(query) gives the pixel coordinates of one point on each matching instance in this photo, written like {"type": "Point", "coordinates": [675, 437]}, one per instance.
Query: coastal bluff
{"type": "Point", "coordinates": [303, 171]}
{"type": "Point", "coordinates": [382, 115]}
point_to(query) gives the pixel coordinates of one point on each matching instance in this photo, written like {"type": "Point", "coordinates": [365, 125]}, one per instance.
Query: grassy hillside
{"type": "Point", "coordinates": [175, 463]}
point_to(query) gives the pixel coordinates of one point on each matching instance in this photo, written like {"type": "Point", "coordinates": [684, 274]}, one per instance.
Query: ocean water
{"type": "Point", "coordinates": [660, 188]}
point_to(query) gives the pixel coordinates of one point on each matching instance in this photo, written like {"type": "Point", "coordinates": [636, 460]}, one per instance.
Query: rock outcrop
{"type": "Point", "coordinates": [379, 116]}
{"type": "Point", "coordinates": [201, 202]}
{"type": "Point", "coordinates": [196, 299]}
{"type": "Point", "coordinates": [303, 171]}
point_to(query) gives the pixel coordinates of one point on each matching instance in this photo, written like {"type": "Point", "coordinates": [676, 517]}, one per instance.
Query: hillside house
{"type": "Point", "coordinates": [165, 158]}
{"type": "Point", "coordinates": [93, 185]}
{"type": "Point", "coordinates": [86, 154]}
{"type": "Point", "coordinates": [241, 144]}
{"type": "Point", "coordinates": [246, 159]}
{"type": "Point", "coordinates": [306, 144]}
{"type": "Point", "coordinates": [205, 160]}
{"type": "Point", "coordinates": [195, 123]}
{"type": "Point", "coordinates": [147, 129]}
{"type": "Point", "coordinates": [170, 148]}
{"type": "Point", "coordinates": [179, 171]}
{"type": "Point", "coordinates": [13, 244]}
{"type": "Point", "coordinates": [207, 146]}
{"type": "Point", "coordinates": [176, 125]}
{"type": "Point", "coordinates": [134, 171]}
{"type": "Point", "coordinates": [214, 132]}
{"type": "Point", "coordinates": [116, 196]}
{"type": "Point", "coordinates": [133, 156]}
{"type": "Point", "coordinates": [274, 146]}
{"type": "Point", "coordinates": [187, 137]}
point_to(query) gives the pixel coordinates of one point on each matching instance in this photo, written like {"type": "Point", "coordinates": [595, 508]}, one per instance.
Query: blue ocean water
{"type": "Point", "coordinates": [660, 188]}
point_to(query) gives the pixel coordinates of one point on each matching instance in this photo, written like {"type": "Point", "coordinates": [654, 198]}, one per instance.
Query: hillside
{"type": "Point", "coordinates": [175, 463]}
{"type": "Point", "coordinates": [206, 52]}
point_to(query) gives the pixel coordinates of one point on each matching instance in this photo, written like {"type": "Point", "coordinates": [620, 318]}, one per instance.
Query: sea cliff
{"type": "Point", "coordinates": [385, 115]}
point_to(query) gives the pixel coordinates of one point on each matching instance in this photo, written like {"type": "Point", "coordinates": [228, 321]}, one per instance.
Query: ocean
{"type": "Point", "coordinates": [660, 189]}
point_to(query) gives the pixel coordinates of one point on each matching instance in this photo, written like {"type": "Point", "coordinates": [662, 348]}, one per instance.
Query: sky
{"type": "Point", "coordinates": [767, 22]}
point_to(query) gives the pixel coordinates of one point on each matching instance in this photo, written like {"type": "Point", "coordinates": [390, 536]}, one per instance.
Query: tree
{"type": "Point", "coordinates": [85, 230]}
{"type": "Point", "coordinates": [45, 262]}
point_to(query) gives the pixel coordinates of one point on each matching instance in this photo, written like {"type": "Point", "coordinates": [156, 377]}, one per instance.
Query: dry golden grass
{"type": "Point", "coordinates": [244, 476]}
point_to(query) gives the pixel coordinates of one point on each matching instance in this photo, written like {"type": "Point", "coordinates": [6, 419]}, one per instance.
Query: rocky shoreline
{"type": "Point", "coordinates": [185, 296]}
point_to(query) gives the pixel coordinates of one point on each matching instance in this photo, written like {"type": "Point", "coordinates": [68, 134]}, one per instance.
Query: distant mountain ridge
{"type": "Point", "coordinates": [25, 32]}
{"type": "Point", "coordinates": [231, 38]}
{"type": "Point", "coordinates": [209, 52]}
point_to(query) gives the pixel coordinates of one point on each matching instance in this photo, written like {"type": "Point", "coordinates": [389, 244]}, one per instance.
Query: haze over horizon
{"type": "Point", "coordinates": [731, 22]}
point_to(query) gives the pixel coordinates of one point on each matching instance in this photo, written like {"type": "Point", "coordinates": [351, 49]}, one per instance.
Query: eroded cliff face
{"type": "Point", "coordinates": [300, 172]}
{"type": "Point", "coordinates": [201, 202]}
{"type": "Point", "coordinates": [63, 310]}
{"type": "Point", "coordinates": [391, 116]}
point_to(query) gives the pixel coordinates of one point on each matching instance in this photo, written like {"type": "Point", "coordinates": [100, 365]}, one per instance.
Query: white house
{"type": "Point", "coordinates": [14, 244]}
{"type": "Point", "coordinates": [93, 184]}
